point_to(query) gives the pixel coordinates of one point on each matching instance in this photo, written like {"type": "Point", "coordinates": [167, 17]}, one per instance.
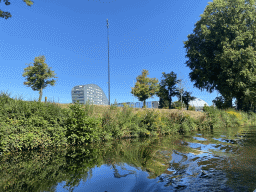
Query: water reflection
{"type": "Point", "coordinates": [215, 160]}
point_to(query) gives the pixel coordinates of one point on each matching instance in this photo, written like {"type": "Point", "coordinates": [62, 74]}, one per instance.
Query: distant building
{"type": "Point", "coordinates": [91, 92]}
{"type": "Point", "coordinates": [198, 104]}
{"type": "Point", "coordinates": [149, 104]}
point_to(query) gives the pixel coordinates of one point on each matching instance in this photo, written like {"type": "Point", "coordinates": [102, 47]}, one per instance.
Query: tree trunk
{"type": "Point", "coordinates": [239, 103]}
{"type": "Point", "coordinates": [161, 101]}
{"type": "Point", "coordinates": [40, 94]}
{"type": "Point", "coordinates": [229, 103]}
{"type": "Point", "coordinates": [170, 102]}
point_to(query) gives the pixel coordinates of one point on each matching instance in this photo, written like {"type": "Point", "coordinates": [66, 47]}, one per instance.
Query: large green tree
{"type": "Point", "coordinates": [163, 97]}
{"type": "Point", "coordinates": [163, 103]}
{"type": "Point", "coordinates": [221, 103]}
{"type": "Point", "coordinates": [167, 88]}
{"type": "Point", "coordinates": [6, 14]}
{"type": "Point", "coordinates": [249, 102]}
{"type": "Point", "coordinates": [145, 87]}
{"type": "Point", "coordinates": [37, 75]}
{"type": "Point", "coordinates": [221, 51]}
{"type": "Point", "coordinates": [181, 89]}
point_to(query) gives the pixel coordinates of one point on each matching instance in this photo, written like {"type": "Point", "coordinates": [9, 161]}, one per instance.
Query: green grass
{"type": "Point", "coordinates": [27, 125]}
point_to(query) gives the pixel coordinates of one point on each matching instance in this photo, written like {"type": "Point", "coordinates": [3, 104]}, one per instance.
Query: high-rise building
{"type": "Point", "coordinates": [91, 92]}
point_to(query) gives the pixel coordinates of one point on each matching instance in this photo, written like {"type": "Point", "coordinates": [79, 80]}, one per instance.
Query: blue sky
{"type": "Point", "coordinates": [73, 38]}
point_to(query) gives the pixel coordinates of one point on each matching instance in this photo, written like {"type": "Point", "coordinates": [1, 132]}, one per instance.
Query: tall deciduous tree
{"type": "Point", "coordinates": [163, 103]}
{"type": "Point", "coordinates": [6, 14]}
{"type": "Point", "coordinates": [145, 87]}
{"type": "Point", "coordinates": [167, 88]}
{"type": "Point", "coordinates": [37, 75]}
{"type": "Point", "coordinates": [221, 50]}
{"type": "Point", "coordinates": [163, 97]}
{"type": "Point", "coordinates": [181, 89]}
{"type": "Point", "coordinates": [186, 98]}
{"type": "Point", "coordinates": [220, 102]}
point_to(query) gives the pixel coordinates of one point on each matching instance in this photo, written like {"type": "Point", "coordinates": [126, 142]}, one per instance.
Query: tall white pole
{"type": "Point", "coordinates": [108, 72]}
{"type": "Point", "coordinates": [133, 94]}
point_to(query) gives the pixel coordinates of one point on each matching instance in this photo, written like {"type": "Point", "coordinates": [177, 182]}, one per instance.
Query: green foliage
{"type": "Point", "coordinates": [167, 89]}
{"type": "Point", "coordinates": [109, 125]}
{"type": "Point", "coordinates": [26, 125]}
{"type": "Point", "coordinates": [37, 74]}
{"type": "Point", "coordinates": [177, 105]}
{"type": "Point", "coordinates": [6, 14]}
{"type": "Point", "coordinates": [80, 127]}
{"type": "Point", "coordinates": [221, 103]}
{"type": "Point", "coordinates": [145, 87]}
{"type": "Point", "coordinates": [89, 108]}
{"type": "Point", "coordinates": [113, 106]}
{"type": "Point", "coordinates": [186, 98]}
{"type": "Point", "coordinates": [148, 121]}
{"type": "Point", "coordinates": [127, 122]}
{"type": "Point", "coordinates": [163, 104]}
{"type": "Point", "coordinates": [191, 108]}
{"type": "Point", "coordinates": [221, 52]}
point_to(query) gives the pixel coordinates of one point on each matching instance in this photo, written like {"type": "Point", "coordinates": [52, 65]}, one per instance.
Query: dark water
{"type": "Point", "coordinates": [217, 160]}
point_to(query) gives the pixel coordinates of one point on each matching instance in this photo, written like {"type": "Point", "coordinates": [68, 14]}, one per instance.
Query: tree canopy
{"type": "Point", "coordinates": [221, 51]}
{"type": "Point", "coordinates": [37, 74]}
{"type": "Point", "coordinates": [186, 98]}
{"type": "Point", "coordinates": [167, 88]}
{"type": "Point", "coordinates": [145, 87]}
{"type": "Point", "coordinates": [181, 89]}
{"type": "Point", "coordinates": [6, 15]}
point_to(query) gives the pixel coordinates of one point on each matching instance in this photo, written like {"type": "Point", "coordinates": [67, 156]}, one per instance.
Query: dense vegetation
{"type": "Point", "coordinates": [221, 51]}
{"type": "Point", "coordinates": [26, 125]}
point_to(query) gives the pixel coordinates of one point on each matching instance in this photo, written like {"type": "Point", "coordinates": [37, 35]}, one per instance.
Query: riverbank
{"type": "Point", "coordinates": [26, 125]}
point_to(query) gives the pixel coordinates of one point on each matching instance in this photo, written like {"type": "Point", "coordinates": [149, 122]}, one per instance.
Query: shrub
{"type": "Point", "coordinates": [236, 114]}
{"type": "Point", "coordinates": [161, 124]}
{"type": "Point", "coordinates": [80, 127]}
{"type": "Point", "coordinates": [114, 106]}
{"type": "Point", "coordinates": [109, 125]}
{"type": "Point", "coordinates": [191, 108]}
{"type": "Point", "coordinates": [126, 121]}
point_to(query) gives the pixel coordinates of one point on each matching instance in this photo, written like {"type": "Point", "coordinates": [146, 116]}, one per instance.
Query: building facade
{"type": "Point", "coordinates": [91, 92]}
{"type": "Point", "coordinates": [198, 104]}
{"type": "Point", "coordinates": [149, 104]}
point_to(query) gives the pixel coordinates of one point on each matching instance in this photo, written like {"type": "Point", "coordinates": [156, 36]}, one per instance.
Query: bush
{"type": "Point", "coordinates": [80, 127]}
{"type": "Point", "coordinates": [114, 106]}
{"type": "Point", "coordinates": [191, 108]}
{"type": "Point", "coordinates": [109, 125]}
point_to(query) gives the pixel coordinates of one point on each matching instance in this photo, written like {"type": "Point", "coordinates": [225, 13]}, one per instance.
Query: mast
{"type": "Point", "coordinates": [108, 71]}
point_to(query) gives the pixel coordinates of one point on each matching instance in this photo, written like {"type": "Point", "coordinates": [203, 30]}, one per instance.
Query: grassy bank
{"type": "Point", "coordinates": [26, 125]}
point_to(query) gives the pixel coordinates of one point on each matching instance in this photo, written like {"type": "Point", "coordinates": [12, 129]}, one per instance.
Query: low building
{"type": "Point", "coordinates": [198, 104]}
{"type": "Point", "coordinates": [149, 104]}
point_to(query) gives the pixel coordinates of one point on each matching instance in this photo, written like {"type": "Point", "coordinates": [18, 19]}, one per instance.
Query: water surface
{"type": "Point", "coordinates": [215, 160]}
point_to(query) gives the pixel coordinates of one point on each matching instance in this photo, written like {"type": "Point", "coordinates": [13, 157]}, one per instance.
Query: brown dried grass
{"type": "Point", "coordinates": [100, 109]}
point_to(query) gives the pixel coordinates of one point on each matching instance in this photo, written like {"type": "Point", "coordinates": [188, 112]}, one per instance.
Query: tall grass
{"type": "Point", "coordinates": [26, 125]}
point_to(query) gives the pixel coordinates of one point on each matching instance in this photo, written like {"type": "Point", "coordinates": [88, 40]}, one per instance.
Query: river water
{"type": "Point", "coordinates": [212, 160]}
